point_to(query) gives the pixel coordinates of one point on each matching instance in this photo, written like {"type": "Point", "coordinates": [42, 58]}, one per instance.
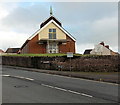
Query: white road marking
{"type": "Point", "coordinates": [80, 93]}
{"type": "Point", "coordinates": [73, 92]}
{"type": "Point", "coordinates": [19, 77]}
{"type": "Point", "coordinates": [30, 79]}
{"type": "Point", "coordinates": [62, 89]}
{"type": "Point", "coordinates": [24, 78]}
{"type": "Point", "coordinates": [5, 75]}
{"type": "Point", "coordinates": [87, 95]}
{"type": "Point", "coordinates": [47, 85]}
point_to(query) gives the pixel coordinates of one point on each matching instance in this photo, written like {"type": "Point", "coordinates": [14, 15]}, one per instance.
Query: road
{"type": "Point", "coordinates": [19, 86]}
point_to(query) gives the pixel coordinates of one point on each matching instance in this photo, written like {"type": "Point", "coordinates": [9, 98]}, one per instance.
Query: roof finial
{"type": "Point", "coordinates": [51, 13]}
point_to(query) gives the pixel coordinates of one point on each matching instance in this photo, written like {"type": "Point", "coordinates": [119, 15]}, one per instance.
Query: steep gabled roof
{"type": "Point", "coordinates": [49, 19]}
{"type": "Point", "coordinates": [60, 27]}
{"type": "Point", "coordinates": [1, 51]}
{"type": "Point", "coordinates": [24, 44]}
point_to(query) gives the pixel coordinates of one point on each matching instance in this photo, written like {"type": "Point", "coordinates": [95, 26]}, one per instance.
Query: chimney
{"type": "Point", "coordinates": [102, 43]}
{"type": "Point", "coordinates": [107, 46]}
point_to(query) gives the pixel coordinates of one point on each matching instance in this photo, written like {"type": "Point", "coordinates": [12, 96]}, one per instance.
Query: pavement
{"type": "Point", "coordinates": [26, 86]}
{"type": "Point", "coordinates": [103, 77]}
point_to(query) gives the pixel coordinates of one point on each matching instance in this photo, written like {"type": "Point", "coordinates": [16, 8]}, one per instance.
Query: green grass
{"type": "Point", "coordinates": [49, 55]}
{"type": "Point", "coordinates": [35, 55]}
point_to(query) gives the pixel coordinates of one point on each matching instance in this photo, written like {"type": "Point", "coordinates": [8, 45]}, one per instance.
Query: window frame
{"type": "Point", "coordinates": [52, 33]}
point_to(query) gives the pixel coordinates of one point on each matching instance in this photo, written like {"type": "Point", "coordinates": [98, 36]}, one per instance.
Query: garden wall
{"type": "Point", "coordinates": [77, 63]}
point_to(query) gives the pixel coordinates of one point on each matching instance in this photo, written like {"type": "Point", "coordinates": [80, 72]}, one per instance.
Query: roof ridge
{"type": "Point", "coordinates": [51, 16]}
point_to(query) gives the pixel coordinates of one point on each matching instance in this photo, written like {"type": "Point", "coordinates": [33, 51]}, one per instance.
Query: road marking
{"type": "Point", "coordinates": [5, 75]}
{"type": "Point", "coordinates": [23, 78]}
{"type": "Point", "coordinates": [30, 79]}
{"type": "Point", "coordinates": [18, 77]}
{"type": "Point", "coordinates": [73, 92]}
{"type": "Point", "coordinates": [80, 93]}
{"type": "Point", "coordinates": [87, 95]}
{"type": "Point", "coordinates": [47, 85]}
{"type": "Point", "coordinates": [62, 89]}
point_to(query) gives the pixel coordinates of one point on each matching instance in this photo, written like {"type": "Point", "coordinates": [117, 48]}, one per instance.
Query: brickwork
{"type": "Point", "coordinates": [33, 47]}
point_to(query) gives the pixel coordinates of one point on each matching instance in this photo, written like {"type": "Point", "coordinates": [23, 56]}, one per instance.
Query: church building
{"type": "Point", "coordinates": [50, 38]}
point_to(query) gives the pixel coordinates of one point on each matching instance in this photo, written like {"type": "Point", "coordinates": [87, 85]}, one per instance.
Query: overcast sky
{"type": "Point", "coordinates": [89, 22]}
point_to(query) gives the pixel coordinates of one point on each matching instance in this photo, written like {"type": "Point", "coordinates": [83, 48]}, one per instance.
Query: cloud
{"type": "Point", "coordinates": [12, 39]}
{"type": "Point", "coordinates": [82, 47]}
{"type": "Point", "coordinates": [89, 23]}
{"type": "Point", "coordinates": [24, 18]}
{"type": "Point", "coordinates": [106, 29]}
{"type": "Point", "coordinates": [3, 13]}
{"type": "Point", "coordinates": [18, 23]}
{"type": "Point", "coordinates": [74, 12]}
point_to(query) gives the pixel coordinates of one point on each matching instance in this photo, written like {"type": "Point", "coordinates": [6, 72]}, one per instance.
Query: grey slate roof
{"type": "Point", "coordinates": [87, 51]}
{"type": "Point", "coordinates": [12, 50]}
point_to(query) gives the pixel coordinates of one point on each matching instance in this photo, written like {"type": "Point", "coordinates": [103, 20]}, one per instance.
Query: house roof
{"type": "Point", "coordinates": [12, 50]}
{"type": "Point", "coordinates": [60, 27]}
{"type": "Point", "coordinates": [50, 18]}
{"type": "Point", "coordinates": [24, 44]}
{"type": "Point", "coordinates": [87, 51]}
{"type": "Point", "coordinates": [1, 51]}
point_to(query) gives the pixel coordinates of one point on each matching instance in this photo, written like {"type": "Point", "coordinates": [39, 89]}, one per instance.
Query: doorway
{"type": "Point", "coordinates": [52, 47]}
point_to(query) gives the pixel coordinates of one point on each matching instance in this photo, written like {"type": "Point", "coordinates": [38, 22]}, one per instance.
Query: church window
{"type": "Point", "coordinates": [52, 33]}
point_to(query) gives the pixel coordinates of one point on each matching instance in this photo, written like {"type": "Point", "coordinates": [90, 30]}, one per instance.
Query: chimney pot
{"type": "Point", "coordinates": [107, 46]}
{"type": "Point", "coordinates": [102, 43]}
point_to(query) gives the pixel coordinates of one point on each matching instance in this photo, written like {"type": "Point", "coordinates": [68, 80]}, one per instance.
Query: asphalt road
{"type": "Point", "coordinates": [19, 86]}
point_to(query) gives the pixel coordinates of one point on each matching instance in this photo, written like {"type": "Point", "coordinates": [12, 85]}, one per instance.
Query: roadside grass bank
{"type": "Point", "coordinates": [34, 55]}
{"type": "Point", "coordinates": [49, 55]}
{"type": "Point", "coordinates": [41, 55]}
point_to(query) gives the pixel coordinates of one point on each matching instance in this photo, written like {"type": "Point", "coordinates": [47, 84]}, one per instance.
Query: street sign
{"type": "Point", "coordinates": [69, 54]}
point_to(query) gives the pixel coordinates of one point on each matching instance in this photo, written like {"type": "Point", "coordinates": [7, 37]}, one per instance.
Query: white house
{"type": "Point", "coordinates": [102, 49]}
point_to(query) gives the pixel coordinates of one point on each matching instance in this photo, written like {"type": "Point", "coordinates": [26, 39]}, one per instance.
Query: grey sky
{"type": "Point", "coordinates": [88, 22]}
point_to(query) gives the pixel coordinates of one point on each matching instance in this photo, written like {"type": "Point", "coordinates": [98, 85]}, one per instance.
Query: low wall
{"type": "Point", "coordinates": [82, 63]}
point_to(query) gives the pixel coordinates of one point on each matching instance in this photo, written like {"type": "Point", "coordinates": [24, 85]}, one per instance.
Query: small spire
{"type": "Point", "coordinates": [51, 13]}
